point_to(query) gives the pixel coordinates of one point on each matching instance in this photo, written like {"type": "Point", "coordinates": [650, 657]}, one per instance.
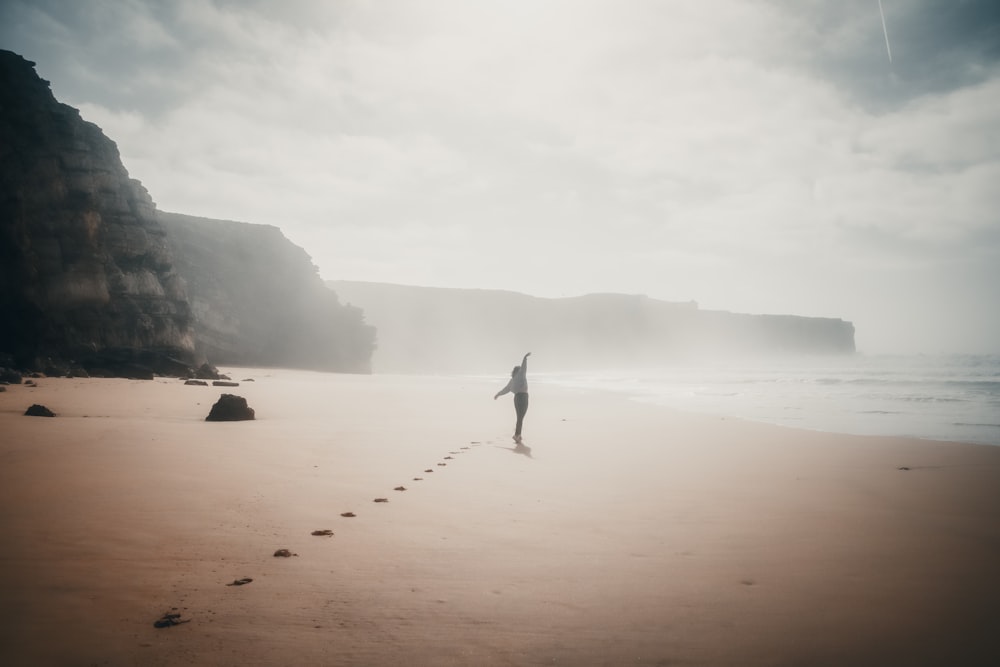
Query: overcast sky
{"type": "Point", "coordinates": [755, 156]}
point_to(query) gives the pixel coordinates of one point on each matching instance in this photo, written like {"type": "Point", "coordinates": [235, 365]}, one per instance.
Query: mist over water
{"type": "Point", "coordinates": [939, 397]}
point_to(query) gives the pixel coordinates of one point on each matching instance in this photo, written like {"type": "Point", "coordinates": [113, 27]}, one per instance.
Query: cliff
{"type": "Point", "coordinates": [93, 278]}
{"type": "Point", "coordinates": [85, 272]}
{"type": "Point", "coordinates": [258, 300]}
{"type": "Point", "coordinates": [425, 329]}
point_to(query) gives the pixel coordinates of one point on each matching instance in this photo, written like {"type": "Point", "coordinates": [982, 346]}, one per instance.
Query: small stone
{"type": "Point", "coordinates": [230, 407]}
{"type": "Point", "coordinates": [37, 410]}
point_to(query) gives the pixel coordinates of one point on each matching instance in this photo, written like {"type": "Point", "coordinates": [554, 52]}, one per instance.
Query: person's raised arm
{"type": "Point", "coordinates": [524, 364]}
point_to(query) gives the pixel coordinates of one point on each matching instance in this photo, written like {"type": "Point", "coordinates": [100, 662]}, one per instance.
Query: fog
{"type": "Point", "coordinates": [756, 157]}
{"type": "Point", "coordinates": [443, 330]}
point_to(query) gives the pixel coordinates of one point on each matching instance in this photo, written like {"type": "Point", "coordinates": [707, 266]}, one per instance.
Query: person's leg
{"type": "Point", "coordinates": [521, 408]}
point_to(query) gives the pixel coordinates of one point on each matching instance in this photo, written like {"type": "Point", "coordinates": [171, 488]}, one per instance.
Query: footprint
{"type": "Point", "coordinates": [448, 457]}
{"type": "Point", "coordinates": [283, 553]}
{"type": "Point", "coordinates": [442, 464]}
{"type": "Point", "coordinates": [381, 500]}
{"type": "Point", "coordinates": [418, 479]}
{"type": "Point", "coordinates": [240, 582]}
{"type": "Point", "coordinates": [169, 619]}
{"type": "Point", "coordinates": [323, 533]}
{"type": "Point", "coordinates": [400, 488]}
{"type": "Point", "coordinates": [347, 514]}
{"type": "Point", "coordinates": [428, 470]}
{"type": "Point", "coordinates": [464, 447]}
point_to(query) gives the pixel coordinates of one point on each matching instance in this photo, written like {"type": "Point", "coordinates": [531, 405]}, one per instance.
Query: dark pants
{"type": "Point", "coordinates": [520, 407]}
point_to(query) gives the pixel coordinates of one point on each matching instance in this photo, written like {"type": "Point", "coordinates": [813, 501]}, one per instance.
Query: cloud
{"type": "Point", "coordinates": [755, 156]}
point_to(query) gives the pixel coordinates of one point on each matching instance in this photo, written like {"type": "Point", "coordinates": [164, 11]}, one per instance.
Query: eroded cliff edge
{"type": "Point", "coordinates": [85, 270]}
{"type": "Point", "coordinates": [258, 300]}
{"type": "Point", "coordinates": [94, 279]}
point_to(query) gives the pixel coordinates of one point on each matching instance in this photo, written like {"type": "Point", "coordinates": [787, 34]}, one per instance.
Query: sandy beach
{"type": "Point", "coordinates": [622, 534]}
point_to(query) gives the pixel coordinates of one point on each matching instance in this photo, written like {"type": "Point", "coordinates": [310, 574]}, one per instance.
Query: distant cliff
{"type": "Point", "coordinates": [93, 278]}
{"type": "Point", "coordinates": [257, 299]}
{"type": "Point", "coordinates": [85, 272]}
{"type": "Point", "coordinates": [426, 329]}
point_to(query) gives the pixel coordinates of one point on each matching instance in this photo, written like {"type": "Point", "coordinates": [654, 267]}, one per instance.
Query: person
{"type": "Point", "coordinates": [518, 385]}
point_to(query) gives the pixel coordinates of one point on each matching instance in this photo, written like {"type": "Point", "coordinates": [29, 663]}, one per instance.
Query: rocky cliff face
{"type": "Point", "coordinates": [257, 299]}
{"type": "Point", "coordinates": [425, 329]}
{"type": "Point", "coordinates": [91, 279]}
{"type": "Point", "coordinates": [85, 271]}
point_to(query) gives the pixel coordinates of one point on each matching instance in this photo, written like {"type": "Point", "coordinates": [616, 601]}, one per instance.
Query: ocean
{"type": "Point", "coordinates": [937, 397]}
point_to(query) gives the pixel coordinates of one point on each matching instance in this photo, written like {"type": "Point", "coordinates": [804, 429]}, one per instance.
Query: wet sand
{"type": "Point", "coordinates": [621, 534]}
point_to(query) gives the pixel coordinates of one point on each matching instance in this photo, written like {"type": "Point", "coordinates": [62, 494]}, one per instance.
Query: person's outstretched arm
{"type": "Point", "coordinates": [524, 364]}
{"type": "Point", "coordinates": [504, 390]}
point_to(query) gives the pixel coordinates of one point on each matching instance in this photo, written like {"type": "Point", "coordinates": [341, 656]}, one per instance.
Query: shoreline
{"type": "Point", "coordinates": [632, 532]}
{"type": "Point", "coordinates": [950, 398]}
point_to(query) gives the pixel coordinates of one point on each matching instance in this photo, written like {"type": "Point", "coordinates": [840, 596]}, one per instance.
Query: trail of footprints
{"type": "Point", "coordinates": [172, 617]}
{"type": "Point", "coordinates": [350, 515]}
{"type": "Point", "coordinates": [451, 456]}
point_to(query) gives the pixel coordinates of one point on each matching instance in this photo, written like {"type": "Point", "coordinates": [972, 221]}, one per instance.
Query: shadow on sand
{"type": "Point", "coordinates": [521, 448]}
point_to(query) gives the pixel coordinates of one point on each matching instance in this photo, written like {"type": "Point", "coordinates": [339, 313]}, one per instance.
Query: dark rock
{"type": "Point", "coordinates": [206, 372]}
{"type": "Point", "coordinates": [221, 383]}
{"type": "Point", "coordinates": [229, 408]}
{"type": "Point", "coordinates": [37, 410]}
{"type": "Point", "coordinates": [131, 362]}
{"type": "Point", "coordinates": [3, 387]}
{"type": "Point", "coordinates": [283, 553]}
{"type": "Point", "coordinates": [10, 376]}
{"type": "Point", "coordinates": [56, 371]}
{"type": "Point", "coordinates": [199, 383]}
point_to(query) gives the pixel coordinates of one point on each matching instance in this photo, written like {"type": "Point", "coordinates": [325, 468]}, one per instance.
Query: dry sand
{"type": "Point", "coordinates": [631, 535]}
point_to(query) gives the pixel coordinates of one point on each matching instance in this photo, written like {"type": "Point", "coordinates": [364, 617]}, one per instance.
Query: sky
{"type": "Point", "coordinates": [755, 156]}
